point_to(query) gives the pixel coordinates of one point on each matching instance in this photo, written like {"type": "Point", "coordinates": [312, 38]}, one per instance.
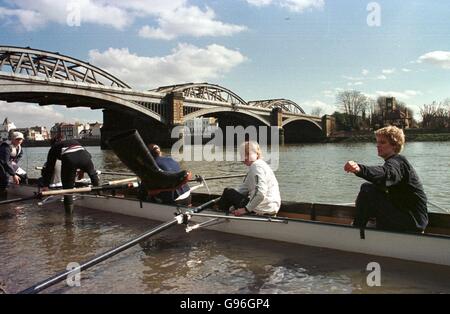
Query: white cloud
{"type": "Point", "coordinates": [189, 21]}
{"type": "Point", "coordinates": [439, 58]}
{"type": "Point", "coordinates": [381, 77]}
{"type": "Point", "coordinates": [89, 11]}
{"type": "Point", "coordinates": [171, 18]}
{"type": "Point", "coordinates": [406, 70]}
{"type": "Point", "coordinates": [310, 105]}
{"type": "Point", "coordinates": [355, 83]}
{"type": "Point", "coordinates": [405, 95]}
{"type": "Point", "coordinates": [27, 18]}
{"type": "Point", "coordinates": [365, 72]}
{"type": "Point", "coordinates": [352, 78]}
{"type": "Point", "coordinates": [291, 5]}
{"type": "Point", "coordinates": [186, 63]}
{"type": "Point", "coordinates": [27, 115]}
{"type": "Point", "coordinates": [259, 3]}
{"type": "Point", "coordinates": [388, 71]}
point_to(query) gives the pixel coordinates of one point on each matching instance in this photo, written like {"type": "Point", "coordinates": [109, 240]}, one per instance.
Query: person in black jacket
{"type": "Point", "coordinates": [73, 156]}
{"type": "Point", "coordinates": [10, 154]}
{"type": "Point", "coordinates": [395, 195]}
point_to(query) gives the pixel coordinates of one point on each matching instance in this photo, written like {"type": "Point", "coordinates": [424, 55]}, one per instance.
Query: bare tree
{"type": "Point", "coordinates": [436, 115]}
{"type": "Point", "coordinates": [353, 103]}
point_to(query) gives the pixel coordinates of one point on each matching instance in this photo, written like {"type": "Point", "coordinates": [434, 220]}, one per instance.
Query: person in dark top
{"type": "Point", "coordinates": [169, 164]}
{"type": "Point", "coordinates": [73, 156]}
{"type": "Point", "coordinates": [10, 154]}
{"type": "Point", "coordinates": [395, 195]}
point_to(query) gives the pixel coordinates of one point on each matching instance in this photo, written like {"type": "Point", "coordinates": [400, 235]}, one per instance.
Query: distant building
{"type": "Point", "coordinates": [76, 130]}
{"type": "Point", "coordinates": [5, 128]}
{"type": "Point", "coordinates": [38, 133]}
{"type": "Point", "coordinates": [201, 126]}
{"type": "Point", "coordinates": [91, 131]}
{"type": "Point", "coordinates": [392, 115]}
{"type": "Point", "coordinates": [67, 131]}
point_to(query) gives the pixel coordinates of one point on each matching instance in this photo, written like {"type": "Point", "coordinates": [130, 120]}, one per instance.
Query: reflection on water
{"type": "Point", "coordinates": [37, 242]}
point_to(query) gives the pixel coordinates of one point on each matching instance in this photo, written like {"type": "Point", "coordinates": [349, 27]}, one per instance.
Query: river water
{"type": "Point", "coordinates": [37, 242]}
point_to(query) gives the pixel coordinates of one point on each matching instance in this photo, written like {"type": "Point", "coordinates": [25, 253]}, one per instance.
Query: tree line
{"type": "Point", "coordinates": [360, 112]}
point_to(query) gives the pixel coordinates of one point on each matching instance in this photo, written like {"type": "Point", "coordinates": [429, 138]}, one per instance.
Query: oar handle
{"type": "Point", "coordinates": [66, 191]}
{"type": "Point", "coordinates": [123, 181]}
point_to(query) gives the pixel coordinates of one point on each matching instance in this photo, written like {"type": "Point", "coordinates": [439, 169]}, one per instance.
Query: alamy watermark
{"type": "Point", "coordinates": [213, 145]}
{"type": "Point", "coordinates": [74, 277]}
{"type": "Point", "coordinates": [73, 9]}
{"type": "Point", "coordinates": [374, 277]}
{"type": "Point", "coordinates": [374, 17]}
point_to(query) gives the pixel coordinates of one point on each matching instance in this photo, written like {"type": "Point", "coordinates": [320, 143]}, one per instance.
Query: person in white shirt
{"type": "Point", "coordinates": [259, 193]}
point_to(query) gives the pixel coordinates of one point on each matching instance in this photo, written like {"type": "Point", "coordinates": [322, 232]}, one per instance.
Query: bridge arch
{"type": "Point", "coordinates": [73, 97]}
{"type": "Point", "coordinates": [50, 65]}
{"type": "Point", "coordinates": [212, 111]}
{"type": "Point", "coordinates": [205, 91]}
{"type": "Point", "coordinates": [301, 129]}
{"type": "Point", "coordinates": [285, 104]}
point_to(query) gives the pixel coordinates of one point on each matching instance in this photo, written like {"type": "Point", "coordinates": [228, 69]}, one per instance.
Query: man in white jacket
{"type": "Point", "coordinates": [259, 193]}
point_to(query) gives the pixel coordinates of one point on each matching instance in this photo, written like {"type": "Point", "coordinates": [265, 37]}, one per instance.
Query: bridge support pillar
{"type": "Point", "coordinates": [151, 131]}
{"type": "Point", "coordinates": [328, 125]}
{"type": "Point", "coordinates": [276, 119]}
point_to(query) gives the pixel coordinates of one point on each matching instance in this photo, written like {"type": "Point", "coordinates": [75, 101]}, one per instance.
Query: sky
{"type": "Point", "coordinates": [302, 50]}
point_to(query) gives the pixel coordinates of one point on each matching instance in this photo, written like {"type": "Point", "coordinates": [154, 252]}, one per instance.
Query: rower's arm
{"type": "Point", "coordinates": [5, 156]}
{"type": "Point", "coordinates": [387, 175]}
{"type": "Point", "coordinates": [261, 189]}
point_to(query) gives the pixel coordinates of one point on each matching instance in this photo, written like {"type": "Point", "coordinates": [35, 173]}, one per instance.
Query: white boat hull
{"type": "Point", "coordinates": [420, 248]}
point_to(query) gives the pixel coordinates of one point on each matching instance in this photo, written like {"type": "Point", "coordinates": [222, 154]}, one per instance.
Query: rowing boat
{"type": "Point", "coordinates": [312, 224]}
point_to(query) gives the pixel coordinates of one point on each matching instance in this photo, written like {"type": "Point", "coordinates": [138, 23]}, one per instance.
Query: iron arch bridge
{"type": "Point", "coordinates": [49, 78]}
{"type": "Point", "coordinates": [50, 65]}
{"type": "Point", "coordinates": [285, 104]}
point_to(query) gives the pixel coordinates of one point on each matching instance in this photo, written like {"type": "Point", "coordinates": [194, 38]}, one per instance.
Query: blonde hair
{"type": "Point", "coordinates": [394, 135]}
{"type": "Point", "coordinates": [251, 146]}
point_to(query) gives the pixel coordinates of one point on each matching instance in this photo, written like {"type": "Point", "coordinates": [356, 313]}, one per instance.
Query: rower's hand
{"type": "Point", "coordinates": [239, 212]}
{"type": "Point", "coordinates": [352, 167]}
{"type": "Point", "coordinates": [44, 189]}
{"type": "Point", "coordinates": [16, 179]}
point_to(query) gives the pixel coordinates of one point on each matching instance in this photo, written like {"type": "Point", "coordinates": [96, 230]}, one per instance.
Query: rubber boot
{"type": "Point", "coordinates": [68, 204]}
{"type": "Point", "coordinates": [132, 151]}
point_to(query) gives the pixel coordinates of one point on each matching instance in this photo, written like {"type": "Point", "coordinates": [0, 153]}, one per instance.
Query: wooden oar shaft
{"type": "Point", "coordinates": [88, 189]}
{"type": "Point", "coordinates": [100, 258]}
{"type": "Point", "coordinates": [133, 179]}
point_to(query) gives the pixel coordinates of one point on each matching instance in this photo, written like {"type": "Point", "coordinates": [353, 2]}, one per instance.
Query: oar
{"type": "Point", "coordinates": [112, 185]}
{"type": "Point", "coordinates": [200, 178]}
{"type": "Point", "coordinates": [197, 179]}
{"type": "Point", "coordinates": [245, 218]}
{"type": "Point", "coordinates": [179, 219]}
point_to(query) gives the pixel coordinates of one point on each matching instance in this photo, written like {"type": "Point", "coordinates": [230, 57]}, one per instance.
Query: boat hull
{"type": "Point", "coordinates": [425, 248]}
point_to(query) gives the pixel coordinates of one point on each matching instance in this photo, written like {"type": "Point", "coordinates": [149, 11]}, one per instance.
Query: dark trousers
{"type": "Point", "coordinates": [4, 178]}
{"type": "Point", "coordinates": [73, 161]}
{"type": "Point", "coordinates": [373, 203]}
{"type": "Point", "coordinates": [231, 197]}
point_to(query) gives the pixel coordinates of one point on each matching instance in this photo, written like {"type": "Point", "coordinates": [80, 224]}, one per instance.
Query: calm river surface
{"type": "Point", "coordinates": [36, 242]}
